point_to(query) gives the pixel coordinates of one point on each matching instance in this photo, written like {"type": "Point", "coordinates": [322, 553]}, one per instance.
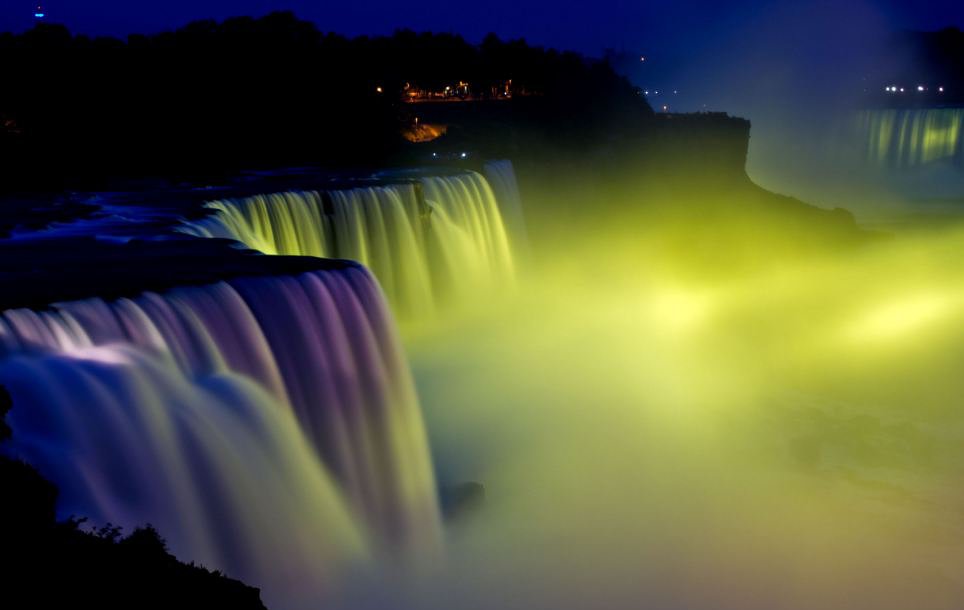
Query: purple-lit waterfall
{"type": "Point", "coordinates": [266, 426]}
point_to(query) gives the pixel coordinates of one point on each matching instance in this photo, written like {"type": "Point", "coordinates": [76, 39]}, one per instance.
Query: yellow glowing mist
{"type": "Point", "coordinates": [659, 429]}
{"type": "Point", "coordinates": [892, 321]}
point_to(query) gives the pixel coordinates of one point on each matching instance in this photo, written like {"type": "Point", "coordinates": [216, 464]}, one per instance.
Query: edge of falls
{"type": "Point", "coordinates": [268, 426]}
{"type": "Point", "coordinates": [431, 241]}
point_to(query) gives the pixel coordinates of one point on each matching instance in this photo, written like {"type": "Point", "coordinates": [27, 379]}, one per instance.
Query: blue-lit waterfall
{"type": "Point", "coordinates": [266, 426]}
{"type": "Point", "coordinates": [429, 241]}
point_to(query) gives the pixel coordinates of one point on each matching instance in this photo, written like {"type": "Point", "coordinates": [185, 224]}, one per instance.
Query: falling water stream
{"type": "Point", "coordinates": [434, 241]}
{"type": "Point", "coordinates": [650, 430]}
{"type": "Point", "coordinates": [267, 426]}
{"type": "Point", "coordinates": [903, 138]}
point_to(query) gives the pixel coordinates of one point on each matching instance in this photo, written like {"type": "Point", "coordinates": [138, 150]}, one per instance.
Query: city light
{"type": "Point", "coordinates": [920, 89]}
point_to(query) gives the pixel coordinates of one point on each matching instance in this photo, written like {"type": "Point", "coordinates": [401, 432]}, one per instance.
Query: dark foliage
{"type": "Point", "coordinates": [50, 564]}
{"type": "Point", "coordinates": [248, 92]}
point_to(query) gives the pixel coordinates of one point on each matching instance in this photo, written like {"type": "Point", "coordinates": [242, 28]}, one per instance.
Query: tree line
{"type": "Point", "coordinates": [247, 91]}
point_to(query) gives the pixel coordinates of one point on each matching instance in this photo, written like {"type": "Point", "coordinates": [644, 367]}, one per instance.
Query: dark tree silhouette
{"type": "Point", "coordinates": [251, 92]}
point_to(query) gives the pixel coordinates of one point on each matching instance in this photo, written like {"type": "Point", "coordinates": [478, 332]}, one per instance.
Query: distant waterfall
{"type": "Point", "coordinates": [431, 241]}
{"type": "Point", "coordinates": [267, 426]}
{"type": "Point", "coordinates": [904, 138]}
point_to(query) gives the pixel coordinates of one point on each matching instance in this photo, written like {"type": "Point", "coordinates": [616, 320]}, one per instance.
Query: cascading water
{"type": "Point", "coordinates": [468, 245]}
{"type": "Point", "coordinates": [906, 138]}
{"type": "Point", "coordinates": [501, 176]}
{"type": "Point", "coordinates": [267, 426]}
{"type": "Point", "coordinates": [431, 241]}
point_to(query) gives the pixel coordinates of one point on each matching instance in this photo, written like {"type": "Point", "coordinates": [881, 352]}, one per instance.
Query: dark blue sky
{"type": "Point", "coordinates": [719, 53]}
{"type": "Point", "coordinates": [589, 26]}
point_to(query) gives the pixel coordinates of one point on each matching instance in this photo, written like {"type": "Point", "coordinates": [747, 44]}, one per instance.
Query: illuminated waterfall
{"type": "Point", "coordinates": [431, 241]}
{"type": "Point", "coordinates": [501, 175]}
{"type": "Point", "coordinates": [906, 138]}
{"type": "Point", "coordinates": [266, 426]}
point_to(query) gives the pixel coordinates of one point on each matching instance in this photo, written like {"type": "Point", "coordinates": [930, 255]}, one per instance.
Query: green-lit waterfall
{"type": "Point", "coordinates": [428, 240]}
{"type": "Point", "coordinates": [911, 137]}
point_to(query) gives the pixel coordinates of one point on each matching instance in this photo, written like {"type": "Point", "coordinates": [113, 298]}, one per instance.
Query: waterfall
{"type": "Point", "coordinates": [430, 241]}
{"type": "Point", "coordinates": [266, 426]}
{"type": "Point", "coordinates": [469, 248]}
{"type": "Point", "coordinates": [501, 175]}
{"type": "Point", "coordinates": [904, 138]}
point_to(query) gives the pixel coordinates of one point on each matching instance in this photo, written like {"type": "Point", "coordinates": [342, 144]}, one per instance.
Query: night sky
{"type": "Point", "coordinates": [662, 27]}
{"type": "Point", "coordinates": [706, 49]}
